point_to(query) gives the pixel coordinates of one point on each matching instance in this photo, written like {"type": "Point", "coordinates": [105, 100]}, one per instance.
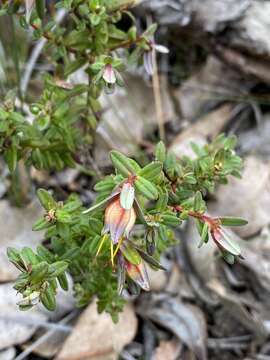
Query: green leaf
{"type": "Point", "coordinates": [57, 268]}
{"type": "Point", "coordinates": [63, 216]}
{"type": "Point", "coordinates": [40, 7]}
{"type": "Point", "coordinates": [170, 219]}
{"type": "Point", "coordinates": [162, 201]}
{"type": "Point", "coordinates": [131, 254]}
{"type": "Point", "coordinates": [48, 299]}
{"type": "Point", "coordinates": [151, 171]}
{"type": "Point", "coordinates": [73, 66]}
{"type": "Point", "coordinates": [63, 281]}
{"type": "Point", "coordinates": [28, 256]}
{"type": "Point", "coordinates": [160, 152]}
{"type": "Point", "coordinates": [46, 199]}
{"type": "Point", "coordinates": [41, 224]}
{"type": "Point", "coordinates": [122, 163]}
{"type": "Point", "coordinates": [203, 229]}
{"type": "Point", "coordinates": [150, 260]}
{"type": "Point", "coordinates": [198, 201]}
{"type": "Point", "coordinates": [14, 257]}
{"type": "Point", "coordinates": [45, 254]}
{"type": "Point", "coordinates": [39, 272]}
{"type": "Point", "coordinates": [232, 221]}
{"type": "Point", "coordinates": [95, 19]}
{"type": "Point", "coordinates": [146, 188]}
{"type": "Point", "coordinates": [105, 185]}
{"type": "Point", "coordinates": [11, 157]}
{"type": "Point", "coordinates": [72, 206]}
{"type": "Point", "coordinates": [71, 254]}
{"type": "Point", "coordinates": [230, 142]}
{"type": "Point", "coordinates": [150, 30]}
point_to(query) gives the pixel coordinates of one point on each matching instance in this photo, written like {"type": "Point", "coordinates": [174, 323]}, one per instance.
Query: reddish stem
{"type": "Point", "coordinates": [212, 222]}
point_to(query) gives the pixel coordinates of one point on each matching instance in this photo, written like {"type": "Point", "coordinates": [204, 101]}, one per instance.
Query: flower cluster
{"type": "Point", "coordinates": [108, 247]}
{"type": "Point", "coordinates": [119, 220]}
{"type": "Point", "coordinates": [105, 248]}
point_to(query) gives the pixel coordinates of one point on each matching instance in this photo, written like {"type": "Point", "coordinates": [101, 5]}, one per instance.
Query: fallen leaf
{"type": "Point", "coordinates": [96, 337]}
{"type": "Point", "coordinates": [236, 307]}
{"type": "Point", "coordinates": [207, 88]}
{"type": "Point", "coordinates": [206, 127]}
{"type": "Point", "coordinates": [185, 321]}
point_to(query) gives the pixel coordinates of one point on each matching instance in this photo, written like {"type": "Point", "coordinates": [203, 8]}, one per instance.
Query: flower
{"type": "Point", "coordinates": [109, 75]}
{"type": "Point", "coordinates": [138, 274]}
{"type": "Point", "coordinates": [148, 56]}
{"type": "Point", "coordinates": [120, 215]}
{"type": "Point", "coordinates": [224, 241]}
{"type": "Point", "coordinates": [135, 270]}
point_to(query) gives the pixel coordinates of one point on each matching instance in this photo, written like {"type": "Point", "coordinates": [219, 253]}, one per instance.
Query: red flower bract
{"type": "Point", "coordinates": [118, 221]}
{"type": "Point", "coordinates": [138, 274]}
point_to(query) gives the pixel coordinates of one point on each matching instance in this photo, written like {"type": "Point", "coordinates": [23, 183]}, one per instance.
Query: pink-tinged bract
{"type": "Point", "coordinates": [109, 74]}
{"type": "Point", "coordinates": [138, 274]}
{"type": "Point", "coordinates": [225, 242]}
{"type": "Point", "coordinates": [118, 221]}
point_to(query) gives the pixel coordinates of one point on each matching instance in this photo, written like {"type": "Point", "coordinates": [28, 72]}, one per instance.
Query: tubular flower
{"type": "Point", "coordinates": [120, 215]}
{"type": "Point", "coordinates": [130, 263]}
{"type": "Point", "coordinates": [109, 75]}
{"type": "Point", "coordinates": [138, 274]}
{"type": "Point", "coordinates": [225, 242]}
{"type": "Point", "coordinates": [148, 56]}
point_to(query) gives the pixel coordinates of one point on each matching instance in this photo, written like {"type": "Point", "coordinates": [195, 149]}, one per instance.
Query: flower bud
{"type": "Point", "coordinates": [138, 274]}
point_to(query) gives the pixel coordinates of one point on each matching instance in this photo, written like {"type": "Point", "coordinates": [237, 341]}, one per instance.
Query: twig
{"type": "Point", "coordinates": [35, 322]}
{"type": "Point", "coordinates": [60, 15]}
{"type": "Point", "coordinates": [157, 96]}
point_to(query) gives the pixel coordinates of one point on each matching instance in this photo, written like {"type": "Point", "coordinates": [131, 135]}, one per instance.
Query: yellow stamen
{"type": "Point", "coordinates": [118, 246]}
{"type": "Point", "coordinates": [104, 238]}
{"type": "Point", "coordinates": [112, 258]}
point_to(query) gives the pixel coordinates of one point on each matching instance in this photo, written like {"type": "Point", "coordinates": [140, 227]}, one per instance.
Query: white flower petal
{"type": "Point", "coordinates": [161, 48]}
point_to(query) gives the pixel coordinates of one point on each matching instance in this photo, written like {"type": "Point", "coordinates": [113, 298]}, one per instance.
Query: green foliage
{"type": "Point", "coordinates": [79, 245]}
{"type": "Point", "coordinates": [66, 115]}
{"type": "Point", "coordinates": [105, 248]}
